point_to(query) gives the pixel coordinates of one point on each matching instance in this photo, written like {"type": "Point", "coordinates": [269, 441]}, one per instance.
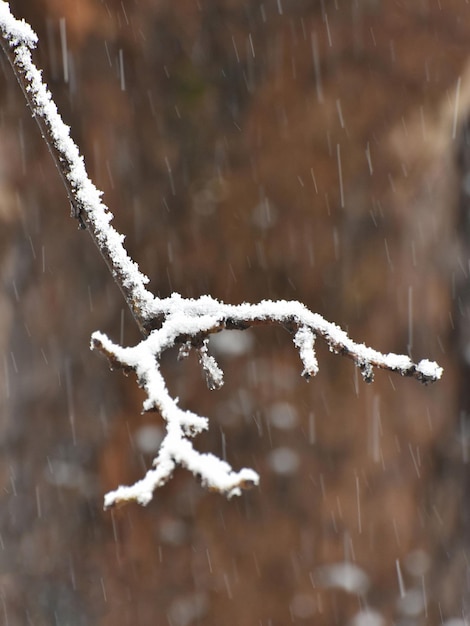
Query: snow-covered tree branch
{"type": "Point", "coordinates": [174, 321]}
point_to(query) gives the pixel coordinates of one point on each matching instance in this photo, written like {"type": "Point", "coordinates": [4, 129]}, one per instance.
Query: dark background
{"type": "Point", "coordinates": [216, 130]}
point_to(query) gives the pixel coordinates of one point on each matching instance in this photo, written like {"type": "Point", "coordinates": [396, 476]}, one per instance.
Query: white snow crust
{"type": "Point", "coordinates": [191, 319]}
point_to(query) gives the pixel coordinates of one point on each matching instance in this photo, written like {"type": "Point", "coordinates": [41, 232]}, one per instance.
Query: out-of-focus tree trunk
{"type": "Point", "coordinates": [300, 150]}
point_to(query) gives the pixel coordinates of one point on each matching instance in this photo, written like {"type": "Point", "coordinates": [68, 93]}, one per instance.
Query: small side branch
{"type": "Point", "coordinates": [306, 326]}
{"type": "Point", "coordinates": [176, 447]}
{"type": "Point", "coordinates": [304, 340]}
{"type": "Point", "coordinates": [213, 374]}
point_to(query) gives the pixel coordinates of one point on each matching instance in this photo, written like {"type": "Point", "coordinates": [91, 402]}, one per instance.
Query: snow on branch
{"type": "Point", "coordinates": [17, 40]}
{"type": "Point", "coordinates": [174, 321]}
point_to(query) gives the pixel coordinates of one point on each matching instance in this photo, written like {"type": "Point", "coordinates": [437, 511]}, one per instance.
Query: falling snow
{"type": "Point", "coordinates": [334, 480]}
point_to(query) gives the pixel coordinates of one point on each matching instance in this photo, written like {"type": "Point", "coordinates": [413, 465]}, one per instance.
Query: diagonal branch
{"type": "Point", "coordinates": [174, 321]}
{"type": "Point", "coordinates": [17, 40]}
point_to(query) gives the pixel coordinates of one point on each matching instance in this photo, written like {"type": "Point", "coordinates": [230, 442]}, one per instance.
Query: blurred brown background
{"type": "Point", "coordinates": [315, 151]}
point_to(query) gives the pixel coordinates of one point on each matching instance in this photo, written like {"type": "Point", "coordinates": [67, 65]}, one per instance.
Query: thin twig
{"type": "Point", "coordinates": [17, 39]}
{"type": "Point", "coordinates": [174, 321]}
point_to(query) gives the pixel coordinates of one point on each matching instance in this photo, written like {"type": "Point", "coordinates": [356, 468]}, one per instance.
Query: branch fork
{"type": "Point", "coordinates": [173, 321]}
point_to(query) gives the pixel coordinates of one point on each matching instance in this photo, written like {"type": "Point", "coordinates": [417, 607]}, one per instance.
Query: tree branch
{"type": "Point", "coordinates": [174, 321]}
{"type": "Point", "coordinates": [17, 40]}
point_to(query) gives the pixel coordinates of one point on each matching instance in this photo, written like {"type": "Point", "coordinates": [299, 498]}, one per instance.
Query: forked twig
{"type": "Point", "coordinates": [173, 321]}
